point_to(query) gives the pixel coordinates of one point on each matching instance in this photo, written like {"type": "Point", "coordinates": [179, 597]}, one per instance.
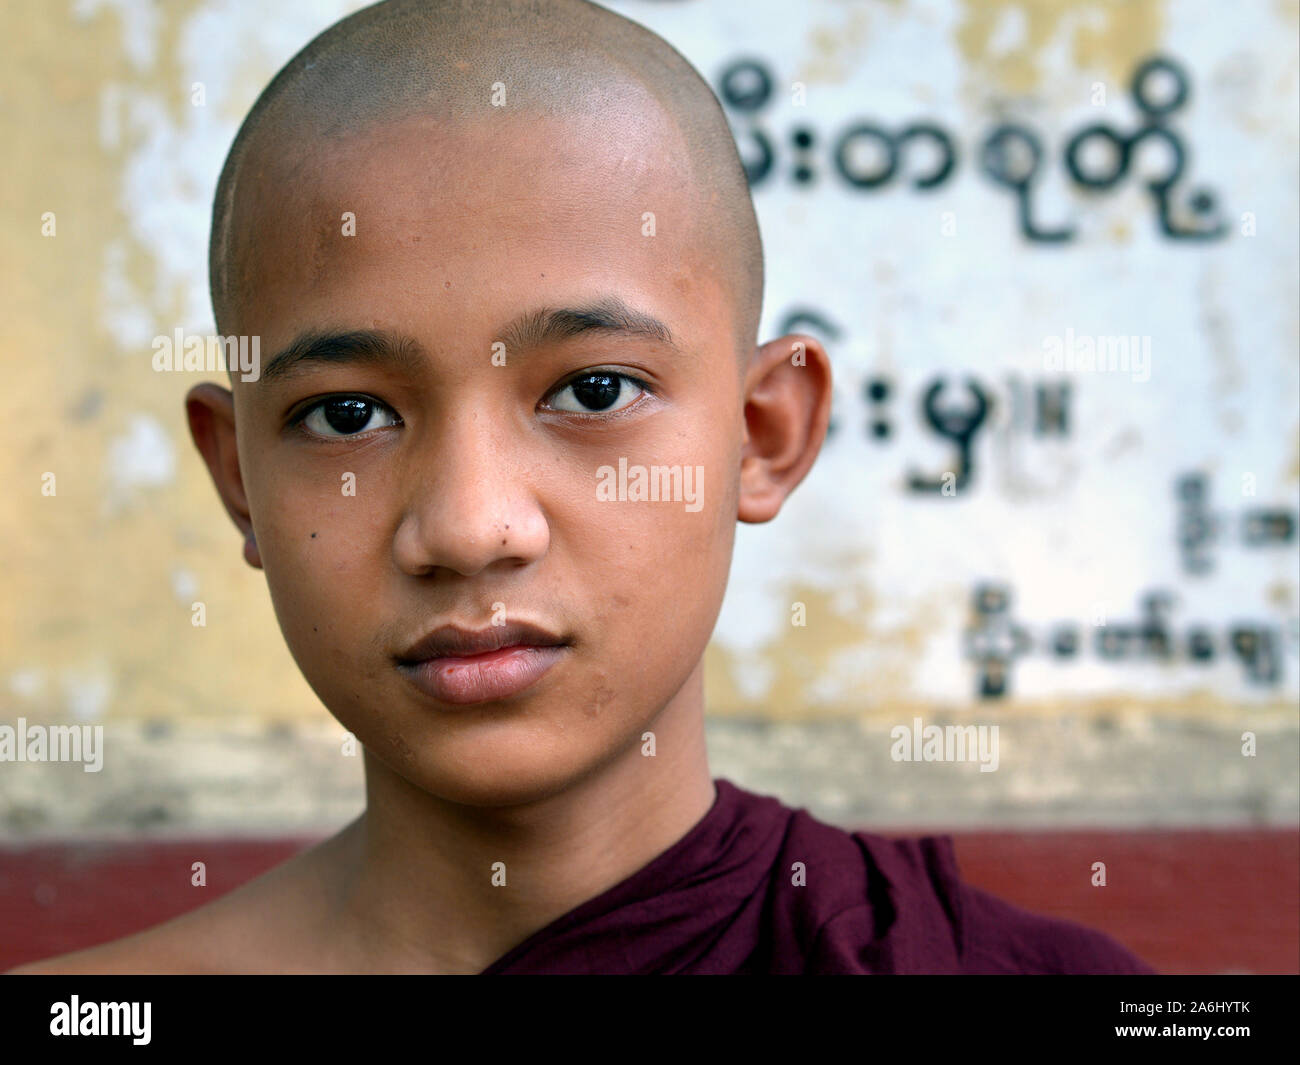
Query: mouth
{"type": "Point", "coordinates": [463, 666]}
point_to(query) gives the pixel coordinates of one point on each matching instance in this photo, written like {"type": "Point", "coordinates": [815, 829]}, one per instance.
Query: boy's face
{"type": "Point", "coordinates": [475, 482]}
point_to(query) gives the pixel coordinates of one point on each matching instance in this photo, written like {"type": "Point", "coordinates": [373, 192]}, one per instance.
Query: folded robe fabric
{"type": "Point", "coordinates": [757, 887]}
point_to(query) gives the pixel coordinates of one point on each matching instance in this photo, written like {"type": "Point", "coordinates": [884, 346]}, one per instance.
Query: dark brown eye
{"type": "Point", "coordinates": [594, 393]}
{"type": "Point", "coordinates": [346, 416]}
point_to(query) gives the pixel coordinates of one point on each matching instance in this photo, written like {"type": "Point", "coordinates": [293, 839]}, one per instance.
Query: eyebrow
{"type": "Point", "coordinates": [353, 346]}
{"type": "Point", "coordinates": [609, 315]}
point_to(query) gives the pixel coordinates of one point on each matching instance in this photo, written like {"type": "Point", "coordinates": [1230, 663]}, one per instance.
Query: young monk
{"type": "Point", "coordinates": [499, 251]}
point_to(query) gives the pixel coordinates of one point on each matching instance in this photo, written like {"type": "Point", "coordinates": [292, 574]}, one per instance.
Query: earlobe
{"type": "Point", "coordinates": [251, 554]}
{"type": "Point", "coordinates": [787, 410]}
{"type": "Point", "coordinates": [211, 412]}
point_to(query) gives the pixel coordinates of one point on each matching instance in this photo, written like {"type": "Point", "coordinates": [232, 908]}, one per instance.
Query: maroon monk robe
{"type": "Point", "coordinates": [723, 899]}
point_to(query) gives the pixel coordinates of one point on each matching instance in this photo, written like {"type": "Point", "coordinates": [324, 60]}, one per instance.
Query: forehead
{"type": "Point", "coordinates": [417, 219]}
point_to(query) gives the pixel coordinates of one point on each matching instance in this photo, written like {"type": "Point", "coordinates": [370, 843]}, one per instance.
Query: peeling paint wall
{"type": "Point", "coordinates": [117, 115]}
{"type": "Point", "coordinates": [1065, 529]}
{"type": "Point", "coordinates": [98, 108]}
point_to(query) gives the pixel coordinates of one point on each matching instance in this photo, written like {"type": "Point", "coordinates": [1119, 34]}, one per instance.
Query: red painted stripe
{"type": "Point", "coordinates": [1185, 901]}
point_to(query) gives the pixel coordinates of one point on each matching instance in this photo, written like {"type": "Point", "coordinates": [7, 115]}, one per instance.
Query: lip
{"type": "Point", "coordinates": [462, 666]}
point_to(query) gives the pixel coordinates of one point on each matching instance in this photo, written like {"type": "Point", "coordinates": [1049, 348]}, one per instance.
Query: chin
{"type": "Point", "coordinates": [497, 770]}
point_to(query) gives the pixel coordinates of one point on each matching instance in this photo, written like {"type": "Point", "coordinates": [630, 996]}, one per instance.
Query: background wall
{"type": "Point", "coordinates": [1061, 493]}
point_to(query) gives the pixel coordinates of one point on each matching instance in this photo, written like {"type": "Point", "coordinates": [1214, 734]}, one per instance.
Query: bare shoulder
{"type": "Point", "coordinates": [267, 925]}
{"type": "Point", "coordinates": [142, 953]}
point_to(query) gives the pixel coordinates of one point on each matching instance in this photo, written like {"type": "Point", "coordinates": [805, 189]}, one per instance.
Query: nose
{"type": "Point", "coordinates": [472, 503]}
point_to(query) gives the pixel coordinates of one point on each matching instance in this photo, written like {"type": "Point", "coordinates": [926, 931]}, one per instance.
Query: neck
{"type": "Point", "coordinates": [416, 872]}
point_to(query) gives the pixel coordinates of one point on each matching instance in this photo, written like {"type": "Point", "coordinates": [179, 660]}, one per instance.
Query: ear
{"type": "Point", "coordinates": [211, 410]}
{"type": "Point", "coordinates": [787, 409]}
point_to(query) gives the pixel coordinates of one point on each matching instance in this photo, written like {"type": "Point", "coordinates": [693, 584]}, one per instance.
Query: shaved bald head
{"type": "Point", "coordinates": [491, 250]}
{"type": "Point", "coordinates": [441, 59]}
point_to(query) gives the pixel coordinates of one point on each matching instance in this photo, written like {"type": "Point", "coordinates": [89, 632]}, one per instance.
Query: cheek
{"type": "Point", "coordinates": [319, 553]}
{"type": "Point", "coordinates": [654, 574]}
{"type": "Point", "coordinates": [656, 614]}
{"type": "Point", "coordinates": [676, 554]}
